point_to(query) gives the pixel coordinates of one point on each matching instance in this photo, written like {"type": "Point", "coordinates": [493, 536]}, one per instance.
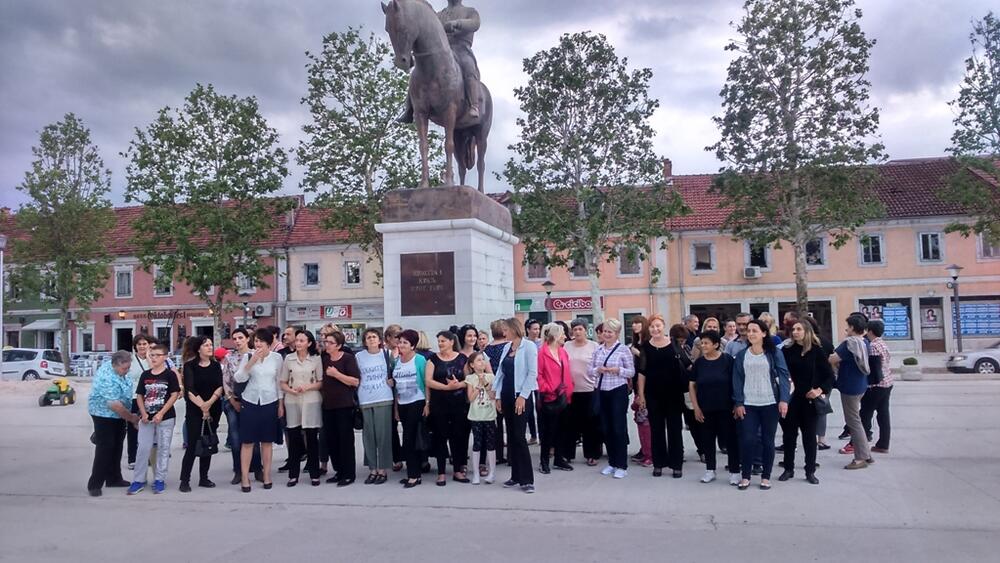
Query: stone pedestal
{"type": "Point", "coordinates": [448, 259]}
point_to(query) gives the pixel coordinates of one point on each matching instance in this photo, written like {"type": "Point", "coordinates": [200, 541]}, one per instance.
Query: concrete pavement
{"type": "Point", "coordinates": [933, 498]}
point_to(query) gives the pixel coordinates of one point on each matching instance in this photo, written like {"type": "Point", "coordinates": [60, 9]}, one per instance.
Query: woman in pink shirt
{"type": "Point", "coordinates": [555, 387]}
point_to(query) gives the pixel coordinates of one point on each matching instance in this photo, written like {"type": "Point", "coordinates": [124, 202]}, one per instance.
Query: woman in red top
{"type": "Point", "coordinates": [555, 387]}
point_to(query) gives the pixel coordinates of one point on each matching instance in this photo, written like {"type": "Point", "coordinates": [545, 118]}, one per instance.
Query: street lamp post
{"type": "Point", "coordinates": [953, 271]}
{"type": "Point", "coordinates": [246, 314]}
{"type": "Point", "coordinates": [3, 294]}
{"type": "Point", "coordinates": [547, 285]}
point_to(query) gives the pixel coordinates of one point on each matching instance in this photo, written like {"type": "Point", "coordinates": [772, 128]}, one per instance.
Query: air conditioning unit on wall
{"type": "Point", "coordinates": [751, 273]}
{"type": "Point", "coordinates": [262, 310]}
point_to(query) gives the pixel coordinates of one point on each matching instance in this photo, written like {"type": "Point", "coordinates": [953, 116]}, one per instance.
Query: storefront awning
{"type": "Point", "coordinates": [43, 324]}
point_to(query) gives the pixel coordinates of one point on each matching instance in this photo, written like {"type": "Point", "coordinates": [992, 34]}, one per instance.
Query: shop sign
{"type": "Point", "coordinates": [571, 303]}
{"type": "Point", "coordinates": [336, 312]}
{"type": "Point", "coordinates": [303, 312]}
{"type": "Point", "coordinates": [523, 305]}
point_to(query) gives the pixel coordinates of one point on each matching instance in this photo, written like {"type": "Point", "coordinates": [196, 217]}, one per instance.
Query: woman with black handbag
{"type": "Point", "coordinates": [555, 387]}
{"type": "Point", "coordinates": [341, 377]}
{"type": "Point", "coordinates": [812, 380]}
{"type": "Point", "coordinates": [449, 407]}
{"type": "Point", "coordinates": [202, 390]}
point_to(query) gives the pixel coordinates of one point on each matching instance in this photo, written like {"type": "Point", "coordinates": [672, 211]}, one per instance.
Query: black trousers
{"type": "Point", "coordinates": [581, 423]}
{"type": "Point", "coordinates": [303, 440]}
{"type": "Point", "coordinates": [411, 416]}
{"type": "Point", "coordinates": [518, 456]}
{"type": "Point", "coordinates": [876, 401]}
{"type": "Point", "coordinates": [666, 410]}
{"type": "Point", "coordinates": [132, 435]}
{"type": "Point", "coordinates": [339, 424]}
{"type": "Point", "coordinates": [694, 427]}
{"type": "Point", "coordinates": [801, 416]}
{"type": "Point", "coordinates": [109, 435]}
{"type": "Point", "coordinates": [614, 404]}
{"type": "Point", "coordinates": [193, 425]}
{"type": "Point", "coordinates": [450, 421]}
{"type": "Point", "coordinates": [721, 426]}
{"type": "Point", "coordinates": [530, 414]}
{"type": "Point", "coordinates": [550, 432]}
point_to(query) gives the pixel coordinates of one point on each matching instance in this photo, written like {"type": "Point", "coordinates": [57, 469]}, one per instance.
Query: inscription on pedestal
{"type": "Point", "coordinates": [427, 284]}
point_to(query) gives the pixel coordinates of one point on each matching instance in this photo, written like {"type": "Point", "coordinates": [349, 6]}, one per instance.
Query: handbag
{"type": "Point", "coordinates": [208, 442]}
{"type": "Point", "coordinates": [874, 370]}
{"type": "Point", "coordinates": [822, 405]}
{"type": "Point", "coordinates": [359, 418]}
{"type": "Point", "coordinates": [595, 404]}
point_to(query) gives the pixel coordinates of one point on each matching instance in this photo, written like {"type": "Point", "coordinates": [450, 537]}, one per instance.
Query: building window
{"type": "Point", "coordinates": [163, 286]}
{"type": "Point", "coordinates": [310, 275]}
{"type": "Point", "coordinates": [702, 257]}
{"type": "Point", "coordinates": [123, 284]}
{"type": "Point", "coordinates": [756, 255]}
{"type": "Point", "coordinates": [871, 250]}
{"type": "Point", "coordinates": [12, 289]}
{"type": "Point", "coordinates": [245, 285]}
{"type": "Point", "coordinates": [628, 267]}
{"type": "Point", "coordinates": [352, 273]}
{"type": "Point", "coordinates": [816, 252]}
{"type": "Point", "coordinates": [987, 250]}
{"type": "Point", "coordinates": [164, 334]}
{"type": "Point", "coordinates": [930, 247]}
{"type": "Point", "coordinates": [87, 342]}
{"type": "Point", "coordinates": [13, 338]}
{"type": "Point", "coordinates": [578, 270]}
{"type": "Point", "coordinates": [537, 270]}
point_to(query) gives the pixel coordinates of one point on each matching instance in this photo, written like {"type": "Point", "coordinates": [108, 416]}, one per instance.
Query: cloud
{"type": "Point", "coordinates": [116, 62]}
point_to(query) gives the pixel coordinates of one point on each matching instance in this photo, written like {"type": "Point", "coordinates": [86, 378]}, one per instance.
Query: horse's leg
{"type": "Point", "coordinates": [481, 158]}
{"type": "Point", "coordinates": [449, 144]}
{"type": "Point", "coordinates": [421, 120]}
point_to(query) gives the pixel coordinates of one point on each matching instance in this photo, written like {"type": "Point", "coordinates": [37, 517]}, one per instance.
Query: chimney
{"type": "Point", "coordinates": [668, 168]}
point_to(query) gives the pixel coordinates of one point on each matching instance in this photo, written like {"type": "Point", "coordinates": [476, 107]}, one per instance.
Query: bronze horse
{"type": "Point", "coordinates": [436, 88]}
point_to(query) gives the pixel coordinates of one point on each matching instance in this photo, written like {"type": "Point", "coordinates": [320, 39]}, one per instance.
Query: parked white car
{"type": "Point", "coordinates": [32, 363]}
{"type": "Point", "coordinates": [986, 361]}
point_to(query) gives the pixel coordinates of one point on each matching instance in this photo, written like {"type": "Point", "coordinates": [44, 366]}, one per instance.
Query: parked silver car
{"type": "Point", "coordinates": [32, 363]}
{"type": "Point", "coordinates": [985, 361]}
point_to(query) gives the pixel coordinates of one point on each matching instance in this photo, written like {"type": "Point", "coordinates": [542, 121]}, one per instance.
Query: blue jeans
{"type": "Point", "coordinates": [233, 420]}
{"type": "Point", "coordinates": [760, 423]}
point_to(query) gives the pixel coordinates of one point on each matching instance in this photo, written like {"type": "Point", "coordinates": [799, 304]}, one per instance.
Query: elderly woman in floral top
{"type": "Point", "coordinates": [613, 368]}
{"type": "Point", "coordinates": [110, 398]}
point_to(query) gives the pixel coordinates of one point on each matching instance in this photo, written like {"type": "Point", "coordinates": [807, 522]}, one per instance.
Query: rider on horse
{"type": "Point", "coordinates": [460, 24]}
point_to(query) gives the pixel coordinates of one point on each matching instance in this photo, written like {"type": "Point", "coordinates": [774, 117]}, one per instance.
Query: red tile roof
{"type": "Point", "coordinates": [907, 188]}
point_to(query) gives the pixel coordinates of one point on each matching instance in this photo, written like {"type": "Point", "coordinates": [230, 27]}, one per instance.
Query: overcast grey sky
{"type": "Point", "coordinates": [115, 62]}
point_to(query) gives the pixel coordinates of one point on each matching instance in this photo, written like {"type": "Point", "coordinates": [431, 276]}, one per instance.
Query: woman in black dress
{"type": "Point", "coordinates": [662, 383]}
{"type": "Point", "coordinates": [449, 409]}
{"type": "Point", "coordinates": [202, 390]}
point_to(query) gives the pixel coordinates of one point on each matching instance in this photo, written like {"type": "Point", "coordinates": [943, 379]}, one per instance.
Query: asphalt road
{"type": "Point", "coordinates": [933, 498]}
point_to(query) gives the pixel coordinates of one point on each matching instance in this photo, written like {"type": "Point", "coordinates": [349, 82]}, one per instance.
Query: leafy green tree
{"type": "Point", "coordinates": [207, 174]}
{"type": "Point", "coordinates": [797, 127]}
{"type": "Point", "coordinates": [62, 254]}
{"type": "Point", "coordinates": [354, 151]}
{"type": "Point", "coordinates": [587, 186]}
{"type": "Point", "coordinates": [976, 140]}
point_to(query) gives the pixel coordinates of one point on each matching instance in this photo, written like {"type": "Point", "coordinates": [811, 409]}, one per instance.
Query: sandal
{"type": "Point", "coordinates": [765, 486]}
{"type": "Point", "coordinates": [293, 482]}
{"type": "Point", "coordinates": [370, 479]}
{"type": "Point", "coordinates": [397, 467]}
{"type": "Point", "coordinates": [743, 485]}
{"type": "Point", "coordinates": [592, 462]}
{"type": "Point", "coordinates": [380, 478]}
{"type": "Point", "coordinates": [483, 470]}
{"type": "Point", "coordinates": [315, 482]}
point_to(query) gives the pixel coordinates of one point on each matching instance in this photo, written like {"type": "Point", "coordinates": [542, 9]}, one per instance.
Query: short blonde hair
{"type": "Point", "coordinates": [423, 343]}
{"type": "Point", "coordinates": [553, 331]}
{"type": "Point", "coordinates": [515, 327]}
{"type": "Point", "coordinates": [614, 325]}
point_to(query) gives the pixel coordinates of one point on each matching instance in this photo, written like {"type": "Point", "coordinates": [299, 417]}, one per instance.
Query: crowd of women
{"type": "Point", "coordinates": [731, 384]}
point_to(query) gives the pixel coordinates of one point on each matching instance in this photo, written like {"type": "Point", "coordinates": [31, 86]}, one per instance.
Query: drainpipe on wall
{"type": "Point", "coordinates": [680, 272]}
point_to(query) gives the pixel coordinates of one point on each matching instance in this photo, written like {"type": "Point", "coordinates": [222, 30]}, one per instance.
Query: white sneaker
{"type": "Point", "coordinates": [608, 470]}
{"type": "Point", "coordinates": [489, 479]}
{"type": "Point", "coordinates": [734, 479]}
{"type": "Point", "coordinates": [708, 477]}
{"type": "Point", "coordinates": [475, 478]}
{"type": "Point", "coordinates": [620, 473]}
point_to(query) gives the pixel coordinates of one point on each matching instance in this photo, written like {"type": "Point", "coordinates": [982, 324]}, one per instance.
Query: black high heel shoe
{"type": "Point", "coordinates": [268, 485]}
{"type": "Point", "coordinates": [407, 484]}
{"type": "Point", "coordinates": [245, 489]}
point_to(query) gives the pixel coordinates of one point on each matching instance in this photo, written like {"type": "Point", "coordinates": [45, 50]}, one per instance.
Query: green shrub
{"type": "Point", "coordinates": [909, 361]}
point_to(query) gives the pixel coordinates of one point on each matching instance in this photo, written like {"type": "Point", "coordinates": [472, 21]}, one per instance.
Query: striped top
{"type": "Point", "coordinates": [621, 358]}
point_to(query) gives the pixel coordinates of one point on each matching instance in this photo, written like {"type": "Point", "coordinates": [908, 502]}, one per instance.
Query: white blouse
{"type": "Point", "coordinates": [262, 379]}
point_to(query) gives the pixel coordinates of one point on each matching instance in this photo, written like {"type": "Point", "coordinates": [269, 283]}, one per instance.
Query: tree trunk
{"type": "Point", "coordinates": [595, 287]}
{"type": "Point", "coordinates": [64, 330]}
{"type": "Point", "coordinates": [217, 323]}
{"type": "Point", "coordinates": [801, 275]}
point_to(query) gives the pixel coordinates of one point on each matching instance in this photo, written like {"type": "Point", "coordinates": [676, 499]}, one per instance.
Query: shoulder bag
{"type": "Point", "coordinates": [822, 405]}
{"type": "Point", "coordinates": [595, 404]}
{"type": "Point", "coordinates": [207, 443]}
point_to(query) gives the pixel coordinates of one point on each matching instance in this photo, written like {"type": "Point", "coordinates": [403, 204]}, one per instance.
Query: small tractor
{"type": "Point", "coordinates": [59, 393]}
